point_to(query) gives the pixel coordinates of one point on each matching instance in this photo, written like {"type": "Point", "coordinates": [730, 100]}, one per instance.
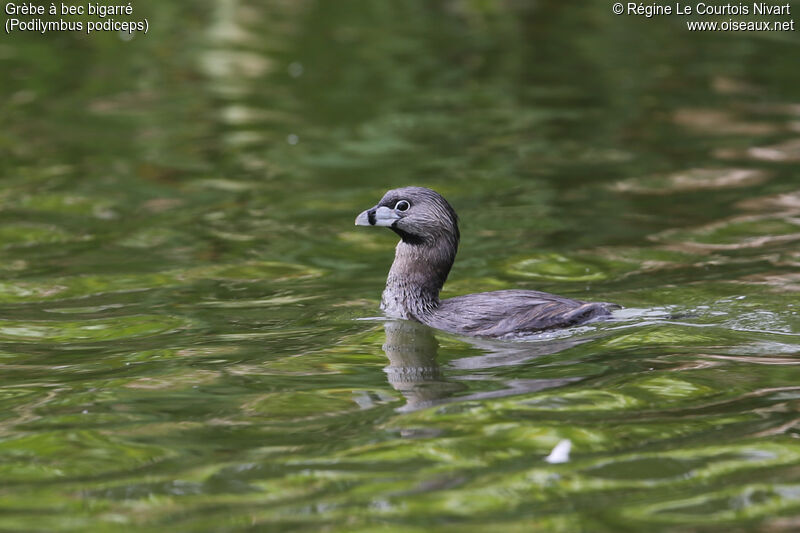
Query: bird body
{"type": "Point", "coordinates": [500, 313]}
{"type": "Point", "coordinates": [428, 229]}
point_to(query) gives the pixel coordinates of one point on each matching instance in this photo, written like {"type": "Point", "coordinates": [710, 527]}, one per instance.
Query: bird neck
{"type": "Point", "coordinates": [416, 277]}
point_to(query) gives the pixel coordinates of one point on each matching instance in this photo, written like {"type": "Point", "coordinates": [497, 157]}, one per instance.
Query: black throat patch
{"type": "Point", "coordinates": [408, 238]}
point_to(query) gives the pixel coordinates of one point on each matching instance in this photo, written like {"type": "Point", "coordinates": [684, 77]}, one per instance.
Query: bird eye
{"type": "Point", "coordinates": [402, 205]}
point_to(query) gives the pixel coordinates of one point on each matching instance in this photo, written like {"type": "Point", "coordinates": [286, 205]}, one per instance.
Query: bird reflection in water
{"type": "Point", "coordinates": [414, 372]}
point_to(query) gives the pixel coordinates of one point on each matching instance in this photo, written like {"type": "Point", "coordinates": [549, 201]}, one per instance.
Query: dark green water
{"type": "Point", "coordinates": [182, 343]}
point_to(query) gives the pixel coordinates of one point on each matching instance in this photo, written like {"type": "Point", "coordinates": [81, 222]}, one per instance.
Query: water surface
{"type": "Point", "coordinates": [189, 328]}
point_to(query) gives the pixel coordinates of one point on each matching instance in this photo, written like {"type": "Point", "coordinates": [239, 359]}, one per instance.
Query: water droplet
{"type": "Point", "coordinates": [295, 69]}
